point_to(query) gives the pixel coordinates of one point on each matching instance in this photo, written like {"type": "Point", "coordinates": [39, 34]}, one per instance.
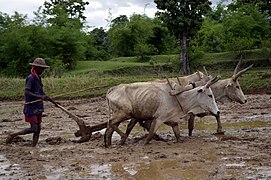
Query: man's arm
{"type": "Point", "coordinates": [43, 97]}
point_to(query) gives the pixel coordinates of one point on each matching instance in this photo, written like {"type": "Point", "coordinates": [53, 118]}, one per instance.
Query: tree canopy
{"type": "Point", "coordinates": [59, 33]}
{"type": "Point", "coordinates": [184, 18]}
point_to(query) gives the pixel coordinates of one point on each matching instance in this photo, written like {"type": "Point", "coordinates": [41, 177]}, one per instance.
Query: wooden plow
{"type": "Point", "coordinates": [84, 131]}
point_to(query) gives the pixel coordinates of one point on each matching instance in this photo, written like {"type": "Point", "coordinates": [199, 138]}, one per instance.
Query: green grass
{"type": "Point", "coordinates": [128, 69]}
{"type": "Point", "coordinates": [94, 67]}
{"type": "Point", "coordinates": [228, 60]}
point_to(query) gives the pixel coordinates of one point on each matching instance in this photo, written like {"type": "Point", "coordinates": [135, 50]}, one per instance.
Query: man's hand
{"type": "Point", "coordinates": [45, 98]}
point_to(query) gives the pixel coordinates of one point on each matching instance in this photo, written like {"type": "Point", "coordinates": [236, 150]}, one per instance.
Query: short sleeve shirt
{"type": "Point", "coordinates": [34, 85]}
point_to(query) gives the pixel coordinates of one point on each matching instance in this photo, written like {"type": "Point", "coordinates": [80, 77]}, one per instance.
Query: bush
{"type": "Point", "coordinates": [57, 67]}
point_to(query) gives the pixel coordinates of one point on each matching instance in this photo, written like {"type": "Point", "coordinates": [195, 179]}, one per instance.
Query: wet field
{"type": "Point", "coordinates": [244, 152]}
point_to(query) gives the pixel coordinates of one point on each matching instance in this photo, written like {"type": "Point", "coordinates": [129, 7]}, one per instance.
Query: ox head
{"type": "Point", "coordinates": [198, 76]}
{"type": "Point", "coordinates": [233, 89]}
{"type": "Point", "coordinates": [230, 89]}
{"type": "Point", "coordinates": [205, 99]}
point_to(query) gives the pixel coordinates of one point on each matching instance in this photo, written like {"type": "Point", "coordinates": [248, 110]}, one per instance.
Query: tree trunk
{"type": "Point", "coordinates": [184, 54]}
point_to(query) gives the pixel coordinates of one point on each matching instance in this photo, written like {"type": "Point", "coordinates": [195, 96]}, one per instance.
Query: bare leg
{"type": "Point", "coordinates": [12, 136]}
{"type": "Point", "coordinates": [33, 129]}
{"type": "Point", "coordinates": [36, 135]}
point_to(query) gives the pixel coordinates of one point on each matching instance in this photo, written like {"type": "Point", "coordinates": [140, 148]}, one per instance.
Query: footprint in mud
{"type": "Point", "coordinates": [11, 120]}
{"type": "Point", "coordinates": [18, 139]}
{"type": "Point", "coordinates": [228, 138]}
{"type": "Point", "coordinates": [54, 140]}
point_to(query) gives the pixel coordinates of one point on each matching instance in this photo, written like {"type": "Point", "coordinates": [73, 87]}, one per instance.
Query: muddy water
{"type": "Point", "coordinates": [244, 152]}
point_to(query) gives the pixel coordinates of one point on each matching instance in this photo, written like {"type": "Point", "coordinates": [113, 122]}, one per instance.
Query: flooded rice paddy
{"type": "Point", "coordinates": [243, 152]}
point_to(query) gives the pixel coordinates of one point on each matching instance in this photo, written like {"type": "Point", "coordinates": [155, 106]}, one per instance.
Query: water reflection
{"type": "Point", "coordinates": [164, 169]}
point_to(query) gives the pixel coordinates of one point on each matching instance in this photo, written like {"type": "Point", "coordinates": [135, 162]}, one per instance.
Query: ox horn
{"type": "Point", "coordinates": [237, 66]}
{"type": "Point", "coordinates": [235, 76]}
{"type": "Point", "coordinates": [205, 71]}
{"type": "Point", "coordinates": [212, 81]}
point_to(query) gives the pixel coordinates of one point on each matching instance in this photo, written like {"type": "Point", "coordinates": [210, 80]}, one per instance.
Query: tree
{"type": "Point", "coordinates": [67, 20]}
{"type": "Point", "coordinates": [131, 38]}
{"type": "Point", "coordinates": [122, 19]}
{"type": "Point", "coordinates": [97, 45]}
{"type": "Point", "coordinates": [211, 36]}
{"type": "Point", "coordinates": [264, 6]}
{"type": "Point", "coordinates": [247, 22]}
{"type": "Point", "coordinates": [15, 44]}
{"type": "Point", "coordinates": [184, 18]}
{"type": "Point", "coordinates": [62, 10]}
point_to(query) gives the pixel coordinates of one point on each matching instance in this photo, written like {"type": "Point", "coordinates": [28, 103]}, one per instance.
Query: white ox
{"type": "Point", "coordinates": [152, 101]}
{"type": "Point", "coordinates": [226, 90]}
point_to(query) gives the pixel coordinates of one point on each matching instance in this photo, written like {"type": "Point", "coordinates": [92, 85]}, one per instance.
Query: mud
{"type": "Point", "coordinates": [244, 152]}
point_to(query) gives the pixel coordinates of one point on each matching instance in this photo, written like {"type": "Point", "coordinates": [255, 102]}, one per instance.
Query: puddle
{"type": "Point", "coordinates": [203, 125]}
{"type": "Point", "coordinates": [8, 170]}
{"type": "Point", "coordinates": [166, 169]}
{"type": "Point", "coordinates": [265, 172]}
{"type": "Point", "coordinates": [100, 171]}
{"type": "Point", "coordinates": [77, 171]}
{"type": "Point", "coordinates": [234, 165]}
{"type": "Point", "coordinates": [255, 117]}
{"type": "Point", "coordinates": [54, 172]}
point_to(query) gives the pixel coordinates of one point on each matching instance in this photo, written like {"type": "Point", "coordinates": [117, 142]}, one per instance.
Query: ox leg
{"type": "Point", "coordinates": [147, 125]}
{"type": "Point", "coordinates": [113, 124]}
{"type": "Point", "coordinates": [130, 126]}
{"type": "Point", "coordinates": [154, 126]}
{"type": "Point", "coordinates": [115, 127]}
{"type": "Point", "coordinates": [191, 123]}
{"type": "Point", "coordinates": [219, 125]}
{"type": "Point", "coordinates": [115, 121]}
{"type": "Point", "coordinates": [108, 136]}
{"type": "Point", "coordinates": [176, 130]}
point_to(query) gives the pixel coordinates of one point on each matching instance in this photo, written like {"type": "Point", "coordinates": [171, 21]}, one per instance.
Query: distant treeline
{"type": "Point", "coordinates": [58, 33]}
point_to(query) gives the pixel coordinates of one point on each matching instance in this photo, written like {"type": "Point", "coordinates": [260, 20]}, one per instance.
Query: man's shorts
{"type": "Point", "coordinates": [37, 118]}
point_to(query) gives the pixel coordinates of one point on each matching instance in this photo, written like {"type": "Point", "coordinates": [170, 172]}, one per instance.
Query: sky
{"type": "Point", "coordinates": [96, 12]}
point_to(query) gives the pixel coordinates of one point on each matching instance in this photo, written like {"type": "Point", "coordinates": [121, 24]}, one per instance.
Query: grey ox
{"type": "Point", "coordinates": [152, 101]}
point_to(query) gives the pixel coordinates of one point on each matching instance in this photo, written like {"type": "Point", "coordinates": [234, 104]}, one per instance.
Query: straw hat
{"type": "Point", "coordinates": [39, 62]}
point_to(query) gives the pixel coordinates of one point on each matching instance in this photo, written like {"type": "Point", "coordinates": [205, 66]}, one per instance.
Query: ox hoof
{"type": "Point", "coordinates": [82, 139]}
{"type": "Point", "coordinates": [180, 141]}
{"type": "Point", "coordinates": [219, 133]}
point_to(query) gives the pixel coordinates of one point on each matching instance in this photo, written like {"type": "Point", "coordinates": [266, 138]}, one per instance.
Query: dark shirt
{"type": "Point", "coordinates": [34, 85]}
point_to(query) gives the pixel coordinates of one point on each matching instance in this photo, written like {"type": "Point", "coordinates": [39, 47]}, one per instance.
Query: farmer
{"type": "Point", "coordinates": [33, 111]}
